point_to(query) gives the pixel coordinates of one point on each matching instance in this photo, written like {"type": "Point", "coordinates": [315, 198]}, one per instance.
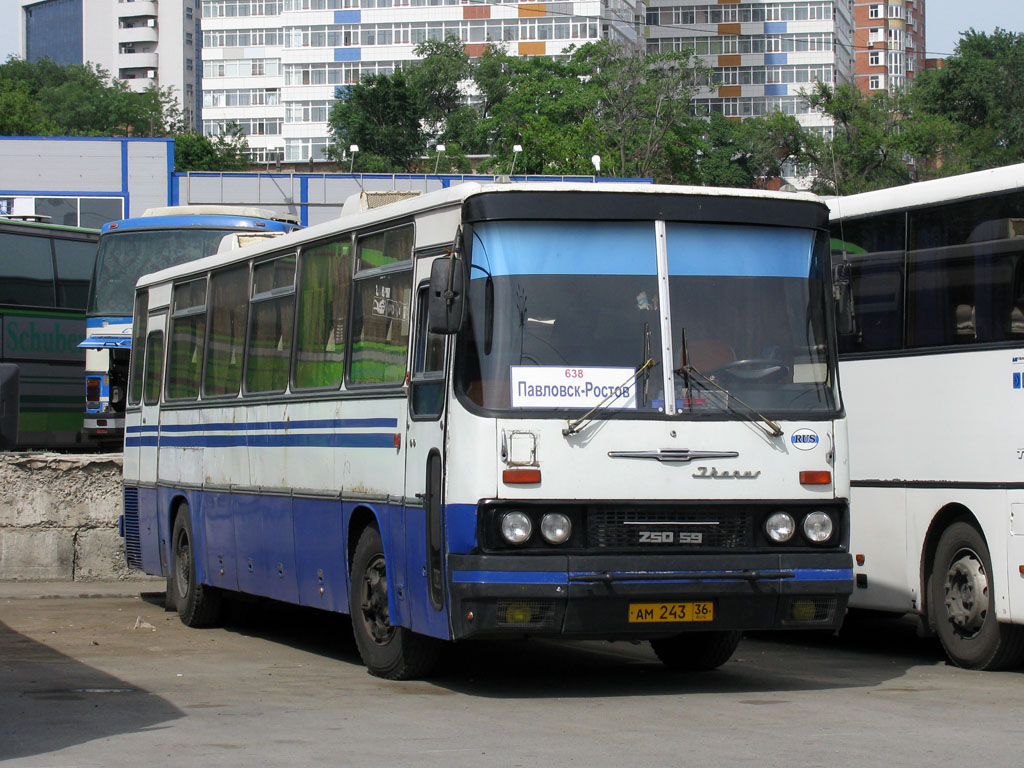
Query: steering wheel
{"type": "Point", "coordinates": [753, 369]}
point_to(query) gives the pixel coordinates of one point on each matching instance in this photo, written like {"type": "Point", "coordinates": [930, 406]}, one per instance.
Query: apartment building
{"type": "Point", "coordinates": [889, 42]}
{"type": "Point", "coordinates": [763, 52]}
{"type": "Point", "coordinates": [143, 42]}
{"type": "Point", "coordinates": [275, 67]}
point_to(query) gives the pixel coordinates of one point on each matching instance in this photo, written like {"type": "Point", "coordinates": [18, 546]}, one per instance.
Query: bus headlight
{"type": "Point", "coordinates": [818, 527]}
{"type": "Point", "coordinates": [516, 527]}
{"type": "Point", "coordinates": [780, 527]}
{"type": "Point", "coordinates": [556, 528]}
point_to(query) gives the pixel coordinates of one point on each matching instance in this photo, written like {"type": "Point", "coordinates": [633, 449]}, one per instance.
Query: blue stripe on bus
{"type": "Point", "coordinates": [823, 574]}
{"type": "Point", "coordinates": [510, 577]}
{"type": "Point", "coordinates": [738, 251]}
{"type": "Point", "coordinates": [314, 440]}
{"type": "Point", "coordinates": [269, 425]}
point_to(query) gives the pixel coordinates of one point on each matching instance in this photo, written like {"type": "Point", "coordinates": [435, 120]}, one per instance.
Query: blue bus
{"type": "Point", "coordinates": [128, 249]}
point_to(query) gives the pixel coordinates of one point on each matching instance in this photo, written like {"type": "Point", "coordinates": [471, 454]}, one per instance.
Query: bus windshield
{"type": "Point", "coordinates": [551, 301]}
{"type": "Point", "coordinates": [124, 257]}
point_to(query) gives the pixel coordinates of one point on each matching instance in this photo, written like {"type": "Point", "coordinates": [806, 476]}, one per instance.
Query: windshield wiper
{"type": "Point", "coordinates": [769, 427]}
{"type": "Point", "coordinates": [575, 427]}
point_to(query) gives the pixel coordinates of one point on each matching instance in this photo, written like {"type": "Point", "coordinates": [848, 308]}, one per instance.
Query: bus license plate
{"type": "Point", "coordinates": [661, 613]}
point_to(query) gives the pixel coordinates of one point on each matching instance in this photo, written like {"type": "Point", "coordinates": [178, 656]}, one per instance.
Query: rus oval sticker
{"type": "Point", "coordinates": [804, 439]}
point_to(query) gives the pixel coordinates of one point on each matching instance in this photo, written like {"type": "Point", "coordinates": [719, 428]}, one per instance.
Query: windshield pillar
{"type": "Point", "coordinates": [667, 356]}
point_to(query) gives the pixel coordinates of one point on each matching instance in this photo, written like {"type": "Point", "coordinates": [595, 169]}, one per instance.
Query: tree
{"type": "Point", "coordinates": [225, 152]}
{"type": "Point", "coordinates": [642, 97]}
{"type": "Point", "coordinates": [48, 99]}
{"type": "Point", "coordinates": [546, 106]}
{"type": "Point", "coordinates": [382, 116]}
{"type": "Point", "coordinates": [877, 141]}
{"type": "Point", "coordinates": [980, 90]}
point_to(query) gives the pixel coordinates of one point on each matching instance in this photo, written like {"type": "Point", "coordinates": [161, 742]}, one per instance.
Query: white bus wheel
{"type": "Point", "coordinates": [962, 603]}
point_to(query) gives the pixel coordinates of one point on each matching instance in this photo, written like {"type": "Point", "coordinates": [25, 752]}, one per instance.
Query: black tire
{"type": "Point", "coordinates": [199, 605]}
{"type": "Point", "coordinates": [961, 603]}
{"type": "Point", "coordinates": [394, 653]}
{"type": "Point", "coordinates": [696, 651]}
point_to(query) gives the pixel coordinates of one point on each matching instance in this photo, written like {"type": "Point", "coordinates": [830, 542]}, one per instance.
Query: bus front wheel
{"type": "Point", "coordinates": [696, 651]}
{"type": "Point", "coordinates": [198, 605]}
{"type": "Point", "coordinates": [394, 653]}
{"type": "Point", "coordinates": [962, 603]}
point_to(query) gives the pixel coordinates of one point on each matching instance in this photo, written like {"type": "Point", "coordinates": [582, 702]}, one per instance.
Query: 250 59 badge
{"type": "Point", "coordinates": [671, 537]}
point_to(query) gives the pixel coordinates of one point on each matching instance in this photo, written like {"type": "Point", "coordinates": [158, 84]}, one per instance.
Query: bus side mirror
{"type": "Point", "coordinates": [446, 303]}
{"type": "Point", "coordinates": [846, 319]}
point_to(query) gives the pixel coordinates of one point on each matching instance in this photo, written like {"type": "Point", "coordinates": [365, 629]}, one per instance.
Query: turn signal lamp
{"type": "Point", "coordinates": [521, 476]}
{"type": "Point", "coordinates": [816, 477]}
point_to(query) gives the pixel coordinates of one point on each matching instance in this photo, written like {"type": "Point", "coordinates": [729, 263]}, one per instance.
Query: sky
{"type": "Point", "coordinates": [944, 19]}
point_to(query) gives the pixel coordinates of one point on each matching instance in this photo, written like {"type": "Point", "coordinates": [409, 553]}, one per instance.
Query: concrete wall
{"type": "Point", "coordinates": [59, 518]}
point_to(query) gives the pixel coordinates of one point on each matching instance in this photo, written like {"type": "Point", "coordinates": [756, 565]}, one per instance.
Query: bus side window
{"type": "Point", "coordinates": [877, 288]}
{"type": "Point", "coordinates": [427, 395]}
{"type": "Point", "coordinates": [26, 264]}
{"type": "Point", "coordinates": [188, 331]}
{"type": "Point", "coordinates": [75, 261]}
{"type": "Point", "coordinates": [228, 310]}
{"type": "Point", "coordinates": [138, 350]}
{"type": "Point", "coordinates": [380, 307]}
{"type": "Point", "coordinates": [325, 277]}
{"type": "Point", "coordinates": [269, 347]}
{"type": "Point", "coordinates": [154, 367]}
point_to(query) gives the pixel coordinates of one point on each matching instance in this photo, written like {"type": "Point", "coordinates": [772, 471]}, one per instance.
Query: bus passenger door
{"type": "Point", "coordinates": [424, 473]}
{"type": "Point", "coordinates": [142, 441]}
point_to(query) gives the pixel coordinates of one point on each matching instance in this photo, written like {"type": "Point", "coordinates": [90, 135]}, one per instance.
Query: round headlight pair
{"type": "Point", "coordinates": [555, 527]}
{"type": "Point", "coordinates": [781, 526]}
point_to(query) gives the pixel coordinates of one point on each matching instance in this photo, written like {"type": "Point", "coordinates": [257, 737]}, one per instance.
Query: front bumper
{"type": "Point", "coordinates": [589, 597]}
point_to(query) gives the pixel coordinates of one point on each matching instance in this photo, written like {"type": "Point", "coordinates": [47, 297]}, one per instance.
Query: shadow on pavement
{"type": "Point", "coordinates": [868, 652]}
{"type": "Point", "coordinates": [49, 701]}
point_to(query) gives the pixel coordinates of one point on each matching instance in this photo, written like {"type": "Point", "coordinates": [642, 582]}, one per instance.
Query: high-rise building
{"type": "Point", "coordinates": [763, 52]}
{"type": "Point", "coordinates": [889, 41]}
{"type": "Point", "coordinates": [143, 42]}
{"type": "Point", "coordinates": [275, 67]}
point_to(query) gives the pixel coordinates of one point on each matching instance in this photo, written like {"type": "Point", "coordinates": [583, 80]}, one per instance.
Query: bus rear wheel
{"type": "Point", "coordinates": [696, 651]}
{"type": "Point", "coordinates": [199, 605]}
{"type": "Point", "coordinates": [394, 653]}
{"type": "Point", "coordinates": [962, 603]}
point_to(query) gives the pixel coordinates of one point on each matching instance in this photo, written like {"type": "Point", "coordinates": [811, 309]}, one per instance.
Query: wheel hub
{"type": "Point", "coordinates": [183, 574]}
{"type": "Point", "coordinates": [374, 602]}
{"type": "Point", "coordinates": [967, 593]}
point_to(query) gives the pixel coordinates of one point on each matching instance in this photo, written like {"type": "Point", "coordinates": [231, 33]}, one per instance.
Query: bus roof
{"type": "Point", "coordinates": [207, 221]}
{"type": "Point", "coordinates": [922, 193]}
{"type": "Point", "coordinates": [450, 197]}
{"type": "Point", "coordinates": [212, 209]}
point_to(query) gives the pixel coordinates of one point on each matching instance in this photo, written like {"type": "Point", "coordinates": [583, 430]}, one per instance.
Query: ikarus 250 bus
{"type": "Point", "coordinates": [565, 410]}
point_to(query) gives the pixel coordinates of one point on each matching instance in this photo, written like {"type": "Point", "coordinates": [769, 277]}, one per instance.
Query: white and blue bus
{"type": "Point", "coordinates": [510, 410]}
{"type": "Point", "coordinates": [931, 340]}
{"type": "Point", "coordinates": [128, 249]}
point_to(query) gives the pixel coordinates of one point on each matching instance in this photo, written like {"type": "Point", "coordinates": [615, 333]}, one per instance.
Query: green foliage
{"type": "Point", "coordinates": [47, 99]}
{"type": "Point", "coordinates": [382, 116]}
{"type": "Point", "coordinates": [225, 152]}
{"type": "Point", "coordinates": [980, 90]}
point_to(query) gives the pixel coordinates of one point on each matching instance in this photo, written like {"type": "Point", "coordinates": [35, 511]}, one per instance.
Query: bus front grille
{"type": "Point", "coordinates": [668, 527]}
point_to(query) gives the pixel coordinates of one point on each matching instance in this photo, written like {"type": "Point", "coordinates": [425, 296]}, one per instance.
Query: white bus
{"type": "Point", "coordinates": [448, 418]}
{"type": "Point", "coordinates": [931, 337]}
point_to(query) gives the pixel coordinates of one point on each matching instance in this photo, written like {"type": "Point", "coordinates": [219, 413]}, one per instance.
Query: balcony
{"type": "Point", "coordinates": [137, 35]}
{"type": "Point", "coordinates": [137, 8]}
{"type": "Point", "coordinates": [138, 60]}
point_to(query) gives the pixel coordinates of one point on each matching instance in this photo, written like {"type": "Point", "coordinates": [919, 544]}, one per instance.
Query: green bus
{"type": "Point", "coordinates": [45, 271]}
